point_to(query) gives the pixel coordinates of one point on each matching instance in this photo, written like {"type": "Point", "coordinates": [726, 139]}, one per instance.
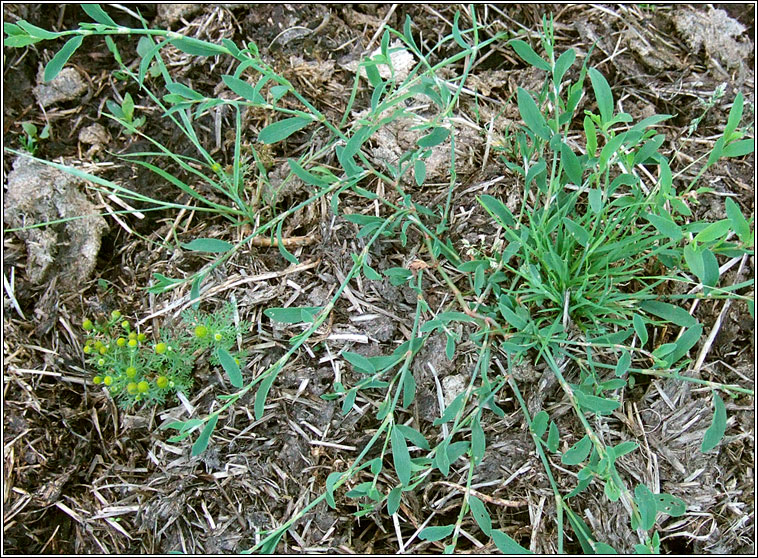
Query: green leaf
{"type": "Point", "coordinates": [98, 14]}
{"type": "Point", "coordinates": [205, 436]}
{"type": "Point", "coordinates": [482, 517]}
{"type": "Point", "coordinates": [694, 259]}
{"type": "Point", "coordinates": [739, 223]}
{"type": "Point", "coordinates": [294, 315]}
{"type": "Point", "coordinates": [243, 89]}
{"type": "Point", "coordinates": [196, 47]}
{"type": "Point", "coordinates": [571, 164]}
{"type": "Point", "coordinates": [17, 41]}
{"type": "Point", "coordinates": [603, 95]}
{"type": "Point", "coordinates": [563, 63]}
{"type": "Point", "coordinates": [212, 245]}
{"type": "Point", "coordinates": [717, 429]}
{"type": "Point", "coordinates": [262, 394]}
{"type": "Point", "coordinates": [553, 437]}
{"type": "Point", "coordinates": [457, 33]}
{"type": "Point", "coordinates": [623, 364]}
{"type": "Point", "coordinates": [419, 171]}
{"type": "Point", "coordinates": [599, 405]}
{"type": "Point", "coordinates": [685, 342]}
{"type": "Point", "coordinates": [306, 176]}
{"type": "Point", "coordinates": [37, 32]}
{"type": "Point", "coordinates": [230, 366]}
{"type": "Point", "coordinates": [414, 436]}
{"type": "Point", "coordinates": [435, 137]}
{"type": "Point", "coordinates": [282, 129]}
{"type": "Point", "coordinates": [55, 65]}
{"type": "Point", "coordinates": [647, 505]}
{"type": "Point", "coordinates": [640, 329]}
{"type": "Point", "coordinates": [506, 544]}
{"type": "Point", "coordinates": [577, 231]}
{"type": "Point", "coordinates": [671, 505]}
{"type": "Point", "coordinates": [539, 423]}
{"type": "Point", "coordinates": [497, 210]}
{"type": "Point", "coordinates": [435, 533]}
{"type": "Point", "coordinates": [735, 116]}
{"type": "Point", "coordinates": [393, 500]}
{"type": "Point", "coordinates": [665, 226]}
{"type": "Point", "coordinates": [714, 231]}
{"type": "Point", "coordinates": [531, 115]}
{"type": "Point", "coordinates": [478, 440]}
{"type": "Point", "coordinates": [528, 55]}
{"type": "Point", "coordinates": [591, 134]}
{"type": "Point", "coordinates": [624, 447]}
{"type": "Point", "coordinates": [674, 314]}
{"type": "Point", "coordinates": [603, 548]}
{"type": "Point", "coordinates": [184, 91]}
{"type": "Point", "coordinates": [451, 410]}
{"type": "Point", "coordinates": [400, 457]}
{"type": "Point", "coordinates": [359, 362]}
{"type": "Point", "coordinates": [578, 452]}
{"type": "Point", "coordinates": [331, 480]}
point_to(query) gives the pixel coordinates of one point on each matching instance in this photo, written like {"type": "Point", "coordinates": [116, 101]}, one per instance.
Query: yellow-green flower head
{"type": "Point", "coordinates": [108, 380]}
{"type": "Point", "coordinates": [132, 335]}
{"type": "Point", "coordinates": [131, 388]}
{"type": "Point", "coordinates": [87, 349]}
{"type": "Point", "coordinates": [143, 387]}
{"type": "Point", "coordinates": [161, 348]}
{"type": "Point", "coordinates": [161, 382]}
{"type": "Point", "coordinates": [103, 350]}
{"type": "Point", "coordinates": [115, 315]}
{"type": "Point", "coordinates": [131, 372]}
{"type": "Point", "coordinates": [97, 380]}
{"type": "Point", "coordinates": [87, 325]}
{"type": "Point", "coordinates": [120, 341]}
{"type": "Point", "coordinates": [125, 324]}
{"type": "Point", "coordinates": [217, 336]}
{"type": "Point", "coordinates": [101, 362]}
{"type": "Point", "coordinates": [132, 342]}
{"type": "Point", "coordinates": [141, 337]}
{"type": "Point", "coordinates": [201, 331]}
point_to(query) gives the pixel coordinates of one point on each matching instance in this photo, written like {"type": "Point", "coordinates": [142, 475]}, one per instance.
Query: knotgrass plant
{"type": "Point", "coordinates": [594, 260]}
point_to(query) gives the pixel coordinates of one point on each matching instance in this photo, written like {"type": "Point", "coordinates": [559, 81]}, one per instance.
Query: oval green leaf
{"type": "Point", "coordinates": [55, 65]}
{"type": "Point", "coordinates": [213, 245]}
{"type": "Point", "coordinates": [717, 429]}
{"type": "Point", "coordinates": [230, 366]}
{"type": "Point", "coordinates": [202, 441]}
{"type": "Point", "coordinates": [282, 129]}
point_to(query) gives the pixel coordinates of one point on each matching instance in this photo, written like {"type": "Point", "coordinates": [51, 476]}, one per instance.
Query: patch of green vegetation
{"type": "Point", "coordinates": [592, 262]}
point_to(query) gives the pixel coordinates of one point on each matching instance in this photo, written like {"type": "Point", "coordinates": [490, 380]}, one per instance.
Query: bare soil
{"type": "Point", "coordinates": [82, 476]}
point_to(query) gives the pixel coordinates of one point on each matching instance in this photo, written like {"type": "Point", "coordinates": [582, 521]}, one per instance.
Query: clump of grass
{"type": "Point", "coordinates": [578, 278]}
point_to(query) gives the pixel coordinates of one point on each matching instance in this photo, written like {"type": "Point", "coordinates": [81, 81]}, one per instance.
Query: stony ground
{"type": "Point", "coordinates": [82, 476]}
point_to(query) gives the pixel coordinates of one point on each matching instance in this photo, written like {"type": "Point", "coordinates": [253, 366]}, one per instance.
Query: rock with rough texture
{"type": "Point", "coordinates": [66, 86]}
{"type": "Point", "coordinates": [37, 193]}
{"type": "Point", "coordinates": [715, 31]}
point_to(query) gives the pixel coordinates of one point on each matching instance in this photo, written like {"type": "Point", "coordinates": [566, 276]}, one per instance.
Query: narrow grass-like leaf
{"type": "Point", "coordinates": [293, 315]}
{"type": "Point", "coordinates": [98, 14]}
{"type": "Point", "coordinates": [56, 64]}
{"type": "Point", "coordinates": [481, 515]}
{"type": "Point", "coordinates": [451, 410]}
{"type": "Point", "coordinates": [305, 176]}
{"type": "Point", "coordinates": [435, 533]}
{"type": "Point", "coordinates": [230, 366]}
{"type": "Point", "coordinates": [457, 33]}
{"type": "Point", "coordinates": [213, 245]}
{"type": "Point", "coordinates": [578, 452]}
{"type": "Point", "coordinates": [400, 457]}
{"type": "Point", "coordinates": [282, 129]}
{"type": "Point", "coordinates": [528, 55]}
{"type": "Point", "coordinates": [205, 436]}
{"type": "Point", "coordinates": [262, 394]}
{"type": "Point", "coordinates": [577, 231]}
{"type": "Point", "coordinates": [506, 544]}
{"type": "Point", "coordinates": [717, 429]}
{"type": "Point", "coordinates": [196, 47]}
{"type": "Point", "coordinates": [603, 94]}
{"type": "Point", "coordinates": [674, 314]}
{"type": "Point", "coordinates": [531, 114]}
{"type": "Point", "coordinates": [478, 440]}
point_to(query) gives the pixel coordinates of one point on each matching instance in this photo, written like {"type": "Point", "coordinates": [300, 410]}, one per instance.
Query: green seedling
{"type": "Point", "coordinates": [31, 136]}
{"type": "Point", "coordinates": [124, 113]}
